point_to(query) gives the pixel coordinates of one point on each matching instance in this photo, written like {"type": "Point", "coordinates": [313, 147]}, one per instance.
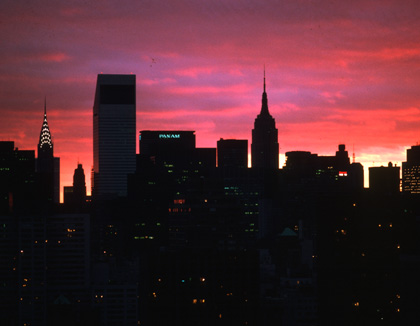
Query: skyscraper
{"type": "Point", "coordinates": [265, 146]}
{"type": "Point", "coordinates": [75, 196]}
{"type": "Point", "coordinates": [114, 134]}
{"type": "Point", "coordinates": [79, 184]}
{"type": "Point", "coordinates": [48, 166]}
{"type": "Point", "coordinates": [411, 171]}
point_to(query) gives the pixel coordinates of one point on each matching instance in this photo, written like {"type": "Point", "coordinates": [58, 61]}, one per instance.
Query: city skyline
{"type": "Point", "coordinates": [336, 73]}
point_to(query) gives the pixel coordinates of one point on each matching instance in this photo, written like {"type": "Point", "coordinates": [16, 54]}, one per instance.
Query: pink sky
{"type": "Point", "coordinates": [337, 72]}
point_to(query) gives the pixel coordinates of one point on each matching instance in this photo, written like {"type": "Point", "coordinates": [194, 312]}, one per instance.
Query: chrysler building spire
{"type": "Point", "coordinates": [47, 166]}
{"type": "Point", "coordinates": [45, 140]}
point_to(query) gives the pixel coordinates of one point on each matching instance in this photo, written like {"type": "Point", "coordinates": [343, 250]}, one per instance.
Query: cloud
{"type": "Point", "coordinates": [336, 71]}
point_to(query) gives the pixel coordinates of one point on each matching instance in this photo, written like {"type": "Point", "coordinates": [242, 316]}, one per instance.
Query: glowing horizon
{"type": "Point", "coordinates": [336, 73]}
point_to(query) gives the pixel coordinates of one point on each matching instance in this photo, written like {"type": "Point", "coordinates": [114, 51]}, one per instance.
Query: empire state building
{"type": "Point", "coordinates": [265, 146]}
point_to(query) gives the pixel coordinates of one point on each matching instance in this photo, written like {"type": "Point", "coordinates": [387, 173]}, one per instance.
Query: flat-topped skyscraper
{"type": "Point", "coordinates": [265, 146]}
{"type": "Point", "coordinates": [114, 134]}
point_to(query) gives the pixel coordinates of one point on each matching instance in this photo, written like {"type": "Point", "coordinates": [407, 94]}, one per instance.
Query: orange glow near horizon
{"type": "Point", "coordinates": [336, 72]}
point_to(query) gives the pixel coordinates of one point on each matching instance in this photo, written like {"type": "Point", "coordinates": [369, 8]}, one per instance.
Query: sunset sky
{"type": "Point", "coordinates": [337, 71]}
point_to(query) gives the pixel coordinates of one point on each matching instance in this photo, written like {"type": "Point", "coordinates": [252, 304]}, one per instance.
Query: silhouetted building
{"type": "Point", "coordinates": [48, 166]}
{"type": "Point", "coordinates": [265, 146]}
{"type": "Point", "coordinates": [114, 134]}
{"type": "Point", "coordinates": [411, 171]}
{"type": "Point", "coordinates": [17, 196]}
{"type": "Point", "coordinates": [75, 196]}
{"type": "Point", "coordinates": [232, 153]}
{"type": "Point", "coordinates": [17, 178]}
{"type": "Point", "coordinates": [325, 170]}
{"type": "Point", "coordinates": [161, 145]}
{"type": "Point", "coordinates": [384, 180]}
{"type": "Point", "coordinates": [174, 149]}
{"type": "Point", "coordinates": [79, 184]}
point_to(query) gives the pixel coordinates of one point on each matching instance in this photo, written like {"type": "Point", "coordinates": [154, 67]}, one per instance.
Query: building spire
{"type": "Point", "coordinates": [264, 106]}
{"type": "Point", "coordinates": [45, 140]}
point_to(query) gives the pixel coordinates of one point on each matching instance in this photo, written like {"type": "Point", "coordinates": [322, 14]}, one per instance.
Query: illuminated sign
{"type": "Point", "coordinates": [342, 173]}
{"type": "Point", "coordinates": [169, 136]}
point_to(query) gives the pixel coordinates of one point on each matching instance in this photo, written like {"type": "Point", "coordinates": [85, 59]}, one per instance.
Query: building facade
{"type": "Point", "coordinates": [411, 171]}
{"type": "Point", "coordinates": [114, 134]}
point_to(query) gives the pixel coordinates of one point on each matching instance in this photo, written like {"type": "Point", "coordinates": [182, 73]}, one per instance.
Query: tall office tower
{"type": "Point", "coordinates": [48, 166]}
{"type": "Point", "coordinates": [75, 196]}
{"type": "Point", "coordinates": [79, 184]}
{"type": "Point", "coordinates": [411, 171]}
{"type": "Point", "coordinates": [114, 134]}
{"type": "Point", "coordinates": [265, 146]}
{"type": "Point", "coordinates": [232, 153]}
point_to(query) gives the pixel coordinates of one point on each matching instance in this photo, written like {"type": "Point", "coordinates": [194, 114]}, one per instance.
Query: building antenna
{"type": "Point", "coordinates": [354, 155]}
{"type": "Point", "coordinates": [264, 77]}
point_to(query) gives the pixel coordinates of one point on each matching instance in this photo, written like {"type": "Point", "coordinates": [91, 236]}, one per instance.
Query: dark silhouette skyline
{"type": "Point", "coordinates": [190, 235]}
